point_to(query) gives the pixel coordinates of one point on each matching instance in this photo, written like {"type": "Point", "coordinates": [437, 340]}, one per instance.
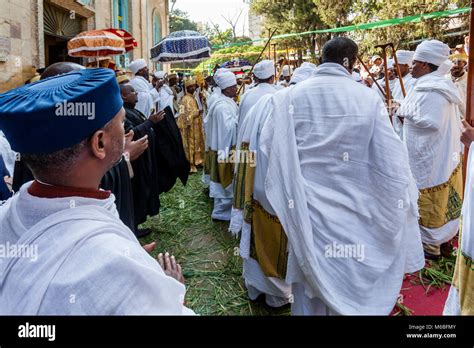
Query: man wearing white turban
{"type": "Point", "coordinates": [286, 73]}
{"type": "Point", "coordinates": [220, 127]}
{"type": "Point", "coordinates": [264, 73]}
{"type": "Point", "coordinates": [391, 80]}
{"type": "Point", "coordinates": [330, 175]}
{"type": "Point", "coordinates": [251, 213]}
{"type": "Point", "coordinates": [303, 72]}
{"type": "Point", "coordinates": [431, 132]}
{"type": "Point", "coordinates": [166, 94]}
{"type": "Point", "coordinates": [459, 76]}
{"type": "Point", "coordinates": [147, 94]}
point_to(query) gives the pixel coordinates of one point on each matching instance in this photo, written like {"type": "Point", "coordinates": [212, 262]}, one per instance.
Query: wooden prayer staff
{"type": "Point", "coordinates": [274, 56]}
{"type": "Point", "coordinates": [469, 94]}
{"type": "Point", "coordinates": [259, 56]}
{"type": "Point", "coordinates": [371, 76]}
{"type": "Point", "coordinates": [388, 97]}
{"type": "Point", "coordinates": [277, 76]}
{"type": "Point", "coordinates": [400, 77]}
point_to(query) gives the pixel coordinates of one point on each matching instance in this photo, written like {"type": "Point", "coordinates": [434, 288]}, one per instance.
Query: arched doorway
{"type": "Point", "coordinates": [59, 27]}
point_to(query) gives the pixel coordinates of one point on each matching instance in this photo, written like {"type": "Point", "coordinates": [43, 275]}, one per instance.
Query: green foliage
{"type": "Point", "coordinates": [334, 13]}
{"type": "Point", "coordinates": [179, 20]}
{"type": "Point", "coordinates": [401, 35]}
{"type": "Point", "coordinates": [206, 251]}
{"type": "Point", "coordinates": [306, 15]}
{"type": "Point", "coordinates": [288, 16]}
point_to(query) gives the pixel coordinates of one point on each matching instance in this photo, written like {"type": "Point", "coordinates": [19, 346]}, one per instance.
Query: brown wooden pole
{"type": "Point", "coordinates": [269, 47]}
{"type": "Point", "coordinates": [287, 54]}
{"type": "Point", "coordinates": [388, 97]}
{"type": "Point", "coordinates": [371, 76]}
{"type": "Point", "coordinates": [469, 95]}
{"type": "Point", "coordinates": [275, 56]}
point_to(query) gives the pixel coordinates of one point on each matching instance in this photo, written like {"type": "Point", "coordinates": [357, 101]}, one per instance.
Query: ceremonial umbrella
{"type": "Point", "coordinates": [181, 46]}
{"type": "Point", "coordinates": [237, 65]}
{"type": "Point", "coordinates": [130, 42]}
{"type": "Point", "coordinates": [95, 43]}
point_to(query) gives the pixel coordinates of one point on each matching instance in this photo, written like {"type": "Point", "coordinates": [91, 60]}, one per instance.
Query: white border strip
{"type": "Point", "coordinates": [98, 48]}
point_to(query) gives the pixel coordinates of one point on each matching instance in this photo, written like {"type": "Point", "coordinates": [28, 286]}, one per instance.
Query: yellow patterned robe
{"type": "Point", "coordinates": [190, 125]}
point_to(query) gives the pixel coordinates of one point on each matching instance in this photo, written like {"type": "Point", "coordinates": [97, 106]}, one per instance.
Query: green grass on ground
{"type": "Point", "coordinates": [206, 251]}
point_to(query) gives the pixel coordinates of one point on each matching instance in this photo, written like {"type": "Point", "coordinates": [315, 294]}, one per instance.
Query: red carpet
{"type": "Point", "coordinates": [420, 302]}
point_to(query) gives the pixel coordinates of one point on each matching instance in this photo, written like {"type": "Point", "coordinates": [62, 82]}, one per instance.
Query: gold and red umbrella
{"type": "Point", "coordinates": [130, 42]}
{"type": "Point", "coordinates": [95, 43]}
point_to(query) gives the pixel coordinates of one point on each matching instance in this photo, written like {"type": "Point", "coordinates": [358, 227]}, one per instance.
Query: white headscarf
{"type": "Point", "coordinates": [405, 57]}
{"type": "Point", "coordinates": [286, 71]}
{"type": "Point", "coordinates": [444, 68]}
{"type": "Point", "coordinates": [305, 71]}
{"type": "Point", "coordinates": [264, 69]}
{"type": "Point", "coordinates": [225, 78]}
{"type": "Point", "coordinates": [160, 74]}
{"type": "Point", "coordinates": [137, 65]}
{"type": "Point", "coordinates": [432, 51]}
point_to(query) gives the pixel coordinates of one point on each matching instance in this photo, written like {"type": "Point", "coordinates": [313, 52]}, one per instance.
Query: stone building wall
{"type": "Point", "coordinates": [22, 39]}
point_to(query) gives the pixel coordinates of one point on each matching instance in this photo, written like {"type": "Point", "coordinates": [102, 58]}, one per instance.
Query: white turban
{"type": "Point", "coordinates": [160, 74]}
{"type": "Point", "coordinates": [136, 65]}
{"type": "Point", "coordinates": [432, 51]}
{"type": "Point", "coordinates": [444, 68]}
{"type": "Point", "coordinates": [304, 72]}
{"type": "Point", "coordinates": [374, 58]}
{"type": "Point", "coordinates": [264, 69]}
{"type": "Point", "coordinates": [404, 57]}
{"type": "Point", "coordinates": [225, 78]}
{"type": "Point", "coordinates": [286, 71]}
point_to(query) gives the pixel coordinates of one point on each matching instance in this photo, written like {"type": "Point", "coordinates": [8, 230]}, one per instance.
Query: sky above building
{"type": "Point", "coordinates": [214, 10]}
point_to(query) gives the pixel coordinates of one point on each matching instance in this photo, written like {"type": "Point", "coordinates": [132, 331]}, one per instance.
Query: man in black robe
{"type": "Point", "coordinates": [162, 163]}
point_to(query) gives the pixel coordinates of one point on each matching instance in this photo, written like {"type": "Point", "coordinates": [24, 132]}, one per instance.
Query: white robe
{"type": "Point", "coordinates": [453, 303]}
{"type": "Point", "coordinates": [166, 98]}
{"type": "Point", "coordinates": [461, 84]}
{"type": "Point", "coordinates": [408, 82]}
{"type": "Point", "coordinates": [431, 132]}
{"type": "Point", "coordinates": [397, 89]}
{"type": "Point", "coordinates": [277, 291]}
{"type": "Point", "coordinates": [337, 173]}
{"type": "Point", "coordinates": [147, 95]}
{"type": "Point", "coordinates": [381, 82]}
{"type": "Point", "coordinates": [253, 96]}
{"type": "Point", "coordinates": [88, 262]}
{"type": "Point", "coordinates": [221, 128]}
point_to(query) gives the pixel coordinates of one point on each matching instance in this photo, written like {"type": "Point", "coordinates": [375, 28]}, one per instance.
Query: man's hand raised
{"type": "Point", "coordinates": [134, 149]}
{"type": "Point", "coordinates": [158, 117]}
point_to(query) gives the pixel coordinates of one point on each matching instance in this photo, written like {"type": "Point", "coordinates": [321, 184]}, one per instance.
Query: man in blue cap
{"type": "Point", "coordinates": [73, 254]}
{"type": "Point", "coordinates": [117, 179]}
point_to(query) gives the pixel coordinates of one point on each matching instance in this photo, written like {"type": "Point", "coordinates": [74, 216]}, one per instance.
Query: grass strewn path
{"type": "Point", "coordinates": [206, 252]}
